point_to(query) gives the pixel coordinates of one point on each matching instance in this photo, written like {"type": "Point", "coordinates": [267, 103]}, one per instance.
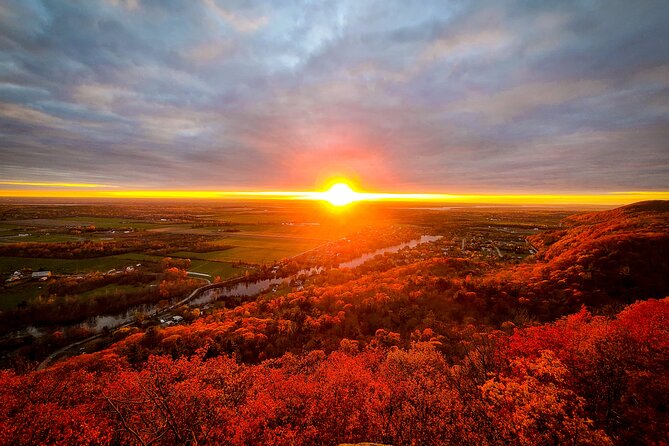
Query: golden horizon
{"type": "Point", "coordinates": [339, 194]}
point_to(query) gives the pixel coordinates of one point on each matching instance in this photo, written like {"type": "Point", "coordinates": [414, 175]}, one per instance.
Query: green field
{"type": "Point", "coordinates": [101, 222]}
{"type": "Point", "coordinates": [262, 228]}
{"type": "Point", "coordinates": [27, 291]}
{"type": "Point", "coordinates": [104, 222]}
{"type": "Point", "coordinates": [254, 249]}
{"type": "Point", "coordinates": [221, 269]}
{"type": "Point", "coordinates": [265, 236]}
{"type": "Point", "coordinates": [72, 266]}
{"type": "Point", "coordinates": [113, 288]}
{"type": "Point", "coordinates": [259, 236]}
{"type": "Point", "coordinates": [14, 295]}
{"type": "Point", "coordinates": [41, 238]}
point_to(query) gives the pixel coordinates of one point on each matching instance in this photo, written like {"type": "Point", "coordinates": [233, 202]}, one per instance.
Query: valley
{"type": "Point", "coordinates": [438, 290]}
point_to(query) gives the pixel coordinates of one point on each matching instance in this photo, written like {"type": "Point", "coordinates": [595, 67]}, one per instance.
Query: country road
{"type": "Point", "coordinates": [499, 253]}
{"type": "Point", "coordinates": [209, 286]}
{"type": "Point", "coordinates": [42, 365]}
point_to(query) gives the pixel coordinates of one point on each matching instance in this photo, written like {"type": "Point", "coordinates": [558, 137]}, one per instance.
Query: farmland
{"type": "Point", "coordinates": [256, 249]}
{"type": "Point", "coordinates": [96, 252]}
{"type": "Point", "coordinates": [218, 241]}
{"type": "Point", "coordinates": [390, 280]}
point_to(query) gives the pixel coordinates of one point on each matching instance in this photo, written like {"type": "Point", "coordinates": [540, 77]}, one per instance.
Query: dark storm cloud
{"type": "Point", "coordinates": [442, 96]}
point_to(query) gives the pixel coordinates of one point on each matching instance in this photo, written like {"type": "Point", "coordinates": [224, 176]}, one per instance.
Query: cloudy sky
{"type": "Point", "coordinates": [443, 96]}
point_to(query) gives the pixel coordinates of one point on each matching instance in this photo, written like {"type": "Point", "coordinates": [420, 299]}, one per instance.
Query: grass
{"type": "Point", "coordinates": [12, 295]}
{"type": "Point", "coordinates": [101, 222]}
{"type": "Point", "coordinates": [72, 266]}
{"type": "Point", "coordinates": [271, 243]}
{"type": "Point", "coordinates": [105, 222]}
{"type": "Point", "coordinates": [15, 294]}
{"type": "Point", "coordinates": [255, 218]}
{"type": "Point", "coordinates": [8, 230]}
{"type": "Point", "coordinates": [37, 237]}
{"type": "Point", "coordinates": [113, 288]}
{"type": "Point", "coordinates": [222, 269]}
{"type": "Point", "coordinates": [216, 256]}
{"type": "Point", "coordinates": [254, 249]}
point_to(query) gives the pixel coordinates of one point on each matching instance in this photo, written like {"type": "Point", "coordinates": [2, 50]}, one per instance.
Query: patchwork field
{"type": "Point", "coordinates": [222, 269]}
{"type": "Point", "coordinates": [72, 266]}
{"type": "Point", "coordinates": [102, 222]}
{"type": "Point", "coordinates": [255, 249]}
{"type": "Point", "coordinates": [69, 241]}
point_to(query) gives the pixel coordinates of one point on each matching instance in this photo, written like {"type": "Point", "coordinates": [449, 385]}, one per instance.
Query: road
{"type": "Point", "coordinates": [42, 365]}
{"type": "Point", "coordinates": [527, 240]}
{"type": "Point", "coordinates": [45, 363]}
{"type": "Point", "coordinates": [499, 253]}
{"type": "Point", "coordinates": [209, 286]}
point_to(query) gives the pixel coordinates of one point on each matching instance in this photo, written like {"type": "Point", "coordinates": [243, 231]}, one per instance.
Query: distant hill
{"type": "Point", "coordinates": [621, 253]}
{"type": "Point", "coordinates": [653, 208]}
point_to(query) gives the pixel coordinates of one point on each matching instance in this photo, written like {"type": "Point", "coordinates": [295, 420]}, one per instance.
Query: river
{"type": "Point", "coordinates": [245, 289]}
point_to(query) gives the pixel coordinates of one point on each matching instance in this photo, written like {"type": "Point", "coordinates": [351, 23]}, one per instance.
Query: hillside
{"type": "Point", "coordinates": [410, 348]}
{"type": "Point", "coordinates": [616, 254]}
{"type": "Point", "coordinates": [582, 380]}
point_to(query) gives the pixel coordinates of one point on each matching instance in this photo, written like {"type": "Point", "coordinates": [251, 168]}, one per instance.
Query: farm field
{"type": "Point", "coordinates": [482, 266]}
{"type": "Point", "coordinates": [224, 270]}
{"type": "Point", "coordinates": [103, 222]}
{"type": "Point", "coordinates": [246, 235]}
{"type": "Point", "coordinates": [112, 289]}
{"type": "Point", "coordinates": [255, 249]}
{"type": "Point", "coordinates": [224, 241]}
{"type": "Point", "coordinates": [11, 297]}
{"type": "Point", "coordinates": [71, 266]}
{"type": "Point", "coordinates": [40, 238]}
{"type": "Point", "coordinates": [334, 223]}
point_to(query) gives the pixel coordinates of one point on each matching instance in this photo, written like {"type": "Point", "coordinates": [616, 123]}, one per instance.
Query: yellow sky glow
{"type": "Point", "coordinates": [52, 184]}
{"type": "Point", "coordinates": [71, 190]}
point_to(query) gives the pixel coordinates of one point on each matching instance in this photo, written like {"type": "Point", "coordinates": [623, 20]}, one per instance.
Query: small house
{"type": "Point", "coordinates": [41, 275]}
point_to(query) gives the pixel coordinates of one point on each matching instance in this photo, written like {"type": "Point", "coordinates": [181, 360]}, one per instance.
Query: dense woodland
{"type": "Point", "coordinates": [570, 346]}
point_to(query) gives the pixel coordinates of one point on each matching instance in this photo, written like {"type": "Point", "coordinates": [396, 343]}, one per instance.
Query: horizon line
{"type": "Point", "coordinates": [608, 198]}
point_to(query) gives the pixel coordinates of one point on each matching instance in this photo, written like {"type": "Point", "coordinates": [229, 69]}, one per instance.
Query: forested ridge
{"type": "Point", "coordinates": [568, 347]}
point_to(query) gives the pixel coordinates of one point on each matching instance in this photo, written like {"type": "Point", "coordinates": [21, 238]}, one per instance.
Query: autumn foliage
{"type": "Point", "coordinates": [583, 379]}
{"type": "Point", "coordinates": [409, 349]}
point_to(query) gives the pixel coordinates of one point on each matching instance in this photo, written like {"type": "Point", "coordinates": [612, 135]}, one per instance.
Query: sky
{"type": "Point", "coordinates": [425, 96]}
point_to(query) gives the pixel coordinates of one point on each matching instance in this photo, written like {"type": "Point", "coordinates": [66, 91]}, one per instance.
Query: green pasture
{"type": "Point", "coordinates": [254, 249]}
{"type": "Point", "coordinates": [13, 295]}
{"type": "Point", "coordinates": [101, 222]}
{"type": "Point", "coordinates": [113, 288]}
{"type": "Point", "coordinates": [105, 222]}
{"type": "Point", "coordinates": [222, 269]}
{"type": "Point", "coordinates": [40, 238]}
{"type": "Point", "coordinates": [72, 266]}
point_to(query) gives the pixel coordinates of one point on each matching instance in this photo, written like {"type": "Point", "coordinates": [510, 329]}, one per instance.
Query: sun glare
{"type": "Point", "coordinates": [340, 194]}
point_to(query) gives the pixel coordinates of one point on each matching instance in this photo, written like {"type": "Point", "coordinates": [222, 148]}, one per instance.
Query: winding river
{"type": "Point", "coordinates": [249, 289]}
{"type": "Point", "coordinates": [243, 288]}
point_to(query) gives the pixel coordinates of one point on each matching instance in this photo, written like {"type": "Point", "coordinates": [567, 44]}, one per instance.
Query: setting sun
{"type": "Point", "coordinates": [340, 194]}
{"type": "Point", "coordinates": [406, 215]}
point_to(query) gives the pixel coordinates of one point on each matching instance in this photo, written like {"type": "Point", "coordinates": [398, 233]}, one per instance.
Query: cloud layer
{"type": "Point", "coordinates": [403, 96]}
